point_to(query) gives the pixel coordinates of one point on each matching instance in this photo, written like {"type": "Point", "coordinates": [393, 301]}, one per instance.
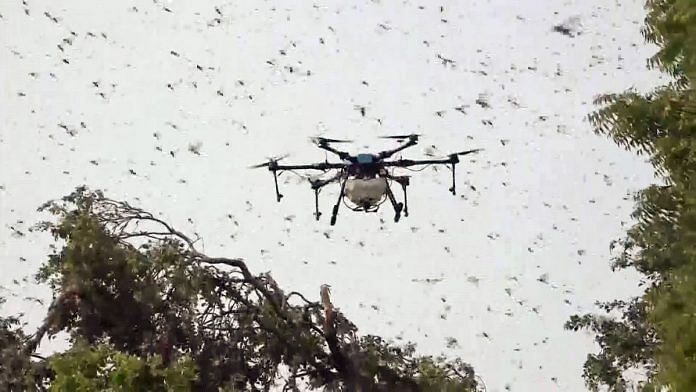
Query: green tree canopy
{"type": "Point", "coordinates": [657, 331]}
{"type": "Point", "coordinates": [145, 310]}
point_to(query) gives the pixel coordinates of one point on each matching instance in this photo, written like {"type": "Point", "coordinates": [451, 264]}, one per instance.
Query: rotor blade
{"type": "Point", "coordinates": [322, 140]}
{"type": "Point", "coordinates": [467, 152]}
{"type": "Point", "coordinates": [278, 157]}
{"type": "Point", "coordinates": [401, 137]}
{"type": "Point", "coordinates": [270, 160]}
{"type": "Point", "coordinates": [259, 165]}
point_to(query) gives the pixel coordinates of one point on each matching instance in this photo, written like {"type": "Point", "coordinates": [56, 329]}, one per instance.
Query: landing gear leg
{"type": "Point", "coordinates": [338, 203]}
{"type": "Point", "coordinates": [397, 206]}
{"type": "Point", "coordinates": [404, 182]}
{"type": "Point", "coordinates": [275, 180]}
{"type": "Point", "coordinates": [317, 214]}
{"type": "Point", "coordinates": [453, 188]}
{"type": "Point", "coordinates": [316, 186]}
{"type": "Point", "coordinates": [403, 186]}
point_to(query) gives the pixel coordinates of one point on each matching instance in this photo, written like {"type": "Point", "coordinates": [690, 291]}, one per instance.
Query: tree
{"type": "Point", "coordinates": [656, 331]}
{"type": "Point", "coordinates": [144, 308]}
{"type": "Point", "coordinates": [89, 368]}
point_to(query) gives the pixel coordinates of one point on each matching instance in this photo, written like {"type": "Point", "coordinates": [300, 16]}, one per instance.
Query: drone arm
{"type": "Point", "coordinates": [321, 183]}
{"type": "Point", "coordinates": [275, 168]}
{"type": "Point", "coordinates": [341, 154]}
{"type": "Point", "coordinates": [411, 162]}
{"type": "Point", "coordinates": [452, 160]}
{"type": "Point", "coordinates": [312, 166]}
{"type": "Point", "coordinates": [317, 185]}
{"type": "Point", "coordinates": [388, 153]}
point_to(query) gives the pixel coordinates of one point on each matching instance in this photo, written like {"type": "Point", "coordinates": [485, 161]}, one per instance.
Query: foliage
{"type": "Point", "coordinates": [13, 363]}
{"type": "Point", "coordinates": [624, 344]}
{"type": "Point", "coordinates": [145, 309]}
{"type": "Point", "coordinates": [89, 368]}
{"type": "Point", "coordinates": [657, 331]}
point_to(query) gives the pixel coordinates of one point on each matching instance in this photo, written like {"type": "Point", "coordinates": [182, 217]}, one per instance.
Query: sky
{"type": "Point", "coordinates": [165, 104]}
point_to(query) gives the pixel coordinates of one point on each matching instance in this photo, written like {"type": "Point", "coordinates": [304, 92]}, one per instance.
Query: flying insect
{"type": "Point", "coordinates": [365, 179]}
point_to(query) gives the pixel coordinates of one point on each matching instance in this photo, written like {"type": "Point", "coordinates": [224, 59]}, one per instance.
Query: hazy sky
{"type": "Point", "coordinates": [113, 94]}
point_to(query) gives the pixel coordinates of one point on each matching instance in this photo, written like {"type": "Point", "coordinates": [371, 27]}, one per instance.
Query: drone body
{"type": "Point", "coordinates": [365, 179]}
{"type": "Point", "coordinates": [366, 184]}
{"type": "Point", "coordinates": [366, 192]}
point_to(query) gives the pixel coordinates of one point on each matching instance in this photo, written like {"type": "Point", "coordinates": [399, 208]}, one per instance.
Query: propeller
{"type": "Point", "coordinates": [401, 137]}
{"type": "Point", "coordinates": [324, 140]}
{"type": "Point", "coordinates": [467, 152]}
{"type": "Point", "coordinates": [270, 161]}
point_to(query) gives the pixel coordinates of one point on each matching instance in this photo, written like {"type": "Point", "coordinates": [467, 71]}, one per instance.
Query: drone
{"type": "Point", "coordinates": [365, 179]}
